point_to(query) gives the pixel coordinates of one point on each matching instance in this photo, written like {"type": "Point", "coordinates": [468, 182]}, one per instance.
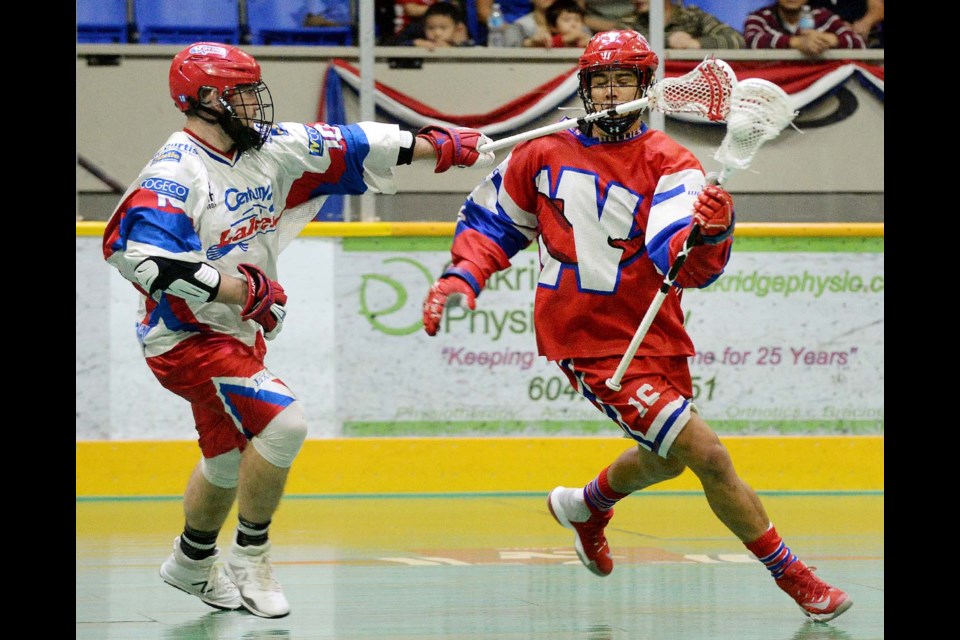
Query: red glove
{"type": "Point", "coordinates": [456, 146]}
{"type": "Point", "coordinates": [713, 210]}
{"type": "Point", "coordinates": [449, 289]}
{"type": "Point", "coordinates": [265, 300]}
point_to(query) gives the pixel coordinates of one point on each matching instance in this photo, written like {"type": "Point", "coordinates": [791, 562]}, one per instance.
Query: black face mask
{"type": "Point", "coordinates": [244, 137]}
{"type": "Point", "coordinates": [612, 126]}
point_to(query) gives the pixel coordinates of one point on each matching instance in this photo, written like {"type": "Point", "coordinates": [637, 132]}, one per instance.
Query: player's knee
{"type": "Point", "coordinates": [281, 440]}
{"type": "Point", "coordinates": [670, 468]}
{"type": "Point", "coordinates": [223, 470]}
{"type": "Point", "coordinates": [711, 460]}
{"type": "Point", "coordinates": [699, 447]}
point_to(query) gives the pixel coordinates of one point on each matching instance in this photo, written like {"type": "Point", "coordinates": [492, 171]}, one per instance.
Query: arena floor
{"type": "Point", "coordinates": [489, 567]}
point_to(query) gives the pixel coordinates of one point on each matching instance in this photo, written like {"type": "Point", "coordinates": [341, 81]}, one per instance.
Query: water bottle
{"type": "Point", "coordinates": [806, 18]}
{"type": "Point", "coordinates": [495, 27]}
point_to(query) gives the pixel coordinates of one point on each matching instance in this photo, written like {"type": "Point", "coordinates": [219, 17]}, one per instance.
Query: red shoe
{"type": "Point", "coordinates": [818, 600]}
{"type": "Point", "coordinates": [568, 507]}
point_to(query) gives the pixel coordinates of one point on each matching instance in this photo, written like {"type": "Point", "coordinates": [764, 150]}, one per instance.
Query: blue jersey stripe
{"type": "Point", "coordinates": [500, 229]}
{"type": "Point", "coordinates": [171, 232]}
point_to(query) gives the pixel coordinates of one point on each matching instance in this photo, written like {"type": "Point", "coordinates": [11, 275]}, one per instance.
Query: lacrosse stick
{"type": "Point", "coordinates": [759, 111]}
{"type": "Point", "coordinates": [705, 90]}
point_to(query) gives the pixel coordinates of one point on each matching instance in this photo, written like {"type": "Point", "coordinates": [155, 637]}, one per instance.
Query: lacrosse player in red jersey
{"type": "Point", "coordinates": [610, 206]}
{"type": "Point", "coordinates": [198, 234]}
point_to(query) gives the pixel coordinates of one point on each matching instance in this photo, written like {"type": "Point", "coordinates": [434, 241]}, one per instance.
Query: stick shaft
{"type": "Point", "coordinates": [626, 107]}
{"type": "Point", "coordinates": [692, 239]}
{"type": "Point", "coordinates": [614, 381]}
{"type": "Point", "coordinates": [774, 105]}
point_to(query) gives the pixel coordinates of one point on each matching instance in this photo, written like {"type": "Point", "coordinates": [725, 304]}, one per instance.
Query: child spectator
{"type": "Point", "coordinates": [777, 26]}
{"type": "Point", "coordinates": [443, 26]}
{"type": "Point", "coordinates": [565, 21]}
{"type": "Point", "coordinates": [533, 29]}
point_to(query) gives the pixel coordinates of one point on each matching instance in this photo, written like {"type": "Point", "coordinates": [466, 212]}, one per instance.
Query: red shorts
{"type": "Point", "coordinates": [653, 403]}
{"type": "Point", "coordinates": [232, 393]}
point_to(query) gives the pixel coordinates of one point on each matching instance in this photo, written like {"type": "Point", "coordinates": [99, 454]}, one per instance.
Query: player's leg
{"type": "Point", "coordinates": [653, 424]}
{"type": "Point", "coordinates": [738, 507]}
{"type": "Point", "coordinates": [588, 509]}
{"type": "Point", "coordinates": [637, 469]}
{"type": "Point", "coordinates": [263, 475]}
{"type": "Point", "coordinates": [234, 399]}
{"type": "Point", "coordinates": [193, 565]}
{"type": "Point", "coordinates": [731, 499]}
{"type": "Point", "coordinates": [206, 505]}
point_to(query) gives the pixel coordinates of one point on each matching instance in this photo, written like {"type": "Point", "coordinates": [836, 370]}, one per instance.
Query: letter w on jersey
{"type": "Point", "coordinates": [591, 232]}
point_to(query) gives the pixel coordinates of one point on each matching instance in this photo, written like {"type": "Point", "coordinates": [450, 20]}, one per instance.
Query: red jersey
{"type": "Point", "coordinates": [609, 218]}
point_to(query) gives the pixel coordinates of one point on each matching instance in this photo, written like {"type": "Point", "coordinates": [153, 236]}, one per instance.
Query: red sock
{"type": "Point", "coordinates": [598, 494]}
{"type": "Point", "coordinates": [771, 551]}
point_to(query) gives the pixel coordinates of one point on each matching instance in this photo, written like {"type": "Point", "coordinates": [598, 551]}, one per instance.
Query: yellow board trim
{"type": "Point", "coordinates": [446, 229]}
{"type": "Point", "coordinates": [351, 466]}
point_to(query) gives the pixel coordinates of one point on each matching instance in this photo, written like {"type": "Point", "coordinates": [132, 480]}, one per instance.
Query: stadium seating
{"type": "Point", "coordinates": [186, 21]}
{"type": "Point", "coordinates": [102, 21]}
{"type": "Point", "coordinates": [283, 22]}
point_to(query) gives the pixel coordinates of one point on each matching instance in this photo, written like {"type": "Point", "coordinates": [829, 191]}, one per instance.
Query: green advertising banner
{"type": "Point", "coordinates": [789, 340]}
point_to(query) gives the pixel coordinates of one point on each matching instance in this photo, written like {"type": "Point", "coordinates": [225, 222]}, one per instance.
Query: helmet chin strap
{"type": "Point", "coordinates": [617, 127]}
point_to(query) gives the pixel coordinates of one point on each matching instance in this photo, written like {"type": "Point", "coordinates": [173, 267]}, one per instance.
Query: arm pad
{"type": "Point", "coordinates": [188, 280]}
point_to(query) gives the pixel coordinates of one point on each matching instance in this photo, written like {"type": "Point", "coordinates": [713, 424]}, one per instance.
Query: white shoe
{"type": "Point", "coordinates": [201, 578]}
{"type": "Point", "coordinates": [260, 593]}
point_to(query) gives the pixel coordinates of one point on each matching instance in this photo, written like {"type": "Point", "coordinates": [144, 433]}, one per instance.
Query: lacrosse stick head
{"type": "Point", "coordinates": [610, 51]}
{"type": "Point", "coordinates": [706, 90]}
{"type": "Point", "coordinates": [759, 111]}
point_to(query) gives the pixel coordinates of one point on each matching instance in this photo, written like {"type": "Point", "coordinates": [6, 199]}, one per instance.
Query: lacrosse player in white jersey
{"type": "Point", "coordinates": [198, 234]}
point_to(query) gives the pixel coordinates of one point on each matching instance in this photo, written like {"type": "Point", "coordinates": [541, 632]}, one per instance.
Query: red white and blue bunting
{"type": "Point", "coordinates": [804, 82]}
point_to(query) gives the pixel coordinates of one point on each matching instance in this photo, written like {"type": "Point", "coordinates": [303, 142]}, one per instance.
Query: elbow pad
{"type": "Point", "coordinates": [408, 142]}
{"type": "Point", "coordinates": [188, 280]}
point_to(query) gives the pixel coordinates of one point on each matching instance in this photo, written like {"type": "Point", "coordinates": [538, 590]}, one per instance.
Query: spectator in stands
{"type": "Point", "coordinates": [413, 29]}
{"type": "Point", "coordinates": [535, 29]}
{"type": "Point", "coordinates": [864, 16]}
{"type": "Point", "coordinates": [443, 26]}
{"type": "Point", "coordinates": [565, 20]}
{"type": "Point", "coordinates": [606, 15]}
{"type": "Point", "coordinates": [408, 12]}
{"type": "Point", "coordinates": [687, 27]}
{"type": "Point", "coordinates": [777, 26]}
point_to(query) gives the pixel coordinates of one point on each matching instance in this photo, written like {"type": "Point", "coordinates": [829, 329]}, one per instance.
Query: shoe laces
{"type": "Point", "coordinates": [217, 581]}
{"type": "Point", "coordinates": [592, 530]}
{"type": "Point", "coordinates": [263, 571]}
{"type": "Point", "coordinates": [809, 587]}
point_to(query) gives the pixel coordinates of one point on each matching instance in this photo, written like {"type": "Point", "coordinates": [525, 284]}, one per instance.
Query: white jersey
{"type": "Point", "coordinates": [195, 203]}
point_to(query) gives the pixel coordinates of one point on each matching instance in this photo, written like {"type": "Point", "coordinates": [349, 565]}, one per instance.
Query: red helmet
{"type": "Point", "coordinates": [617, 49]}
{"type": "Point", "coordinates": [607, 50]}
{"type": "Point", "coordinates": [209, 64]}
{"type": "Point", "coordinates": [231, 72]}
